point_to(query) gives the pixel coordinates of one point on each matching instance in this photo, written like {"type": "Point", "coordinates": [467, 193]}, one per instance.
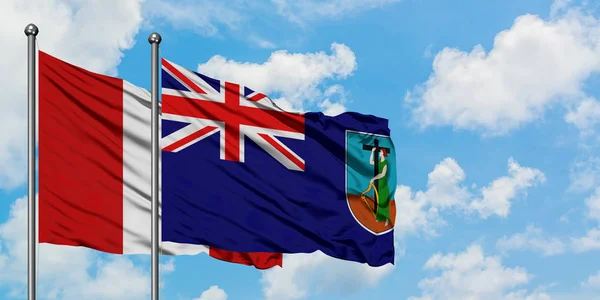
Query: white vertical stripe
{"type": "Point", "coordinates": [136, 177]}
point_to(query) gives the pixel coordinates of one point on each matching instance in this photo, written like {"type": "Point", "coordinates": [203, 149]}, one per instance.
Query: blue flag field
{"type": "Point", "coordinates": [240, 174]}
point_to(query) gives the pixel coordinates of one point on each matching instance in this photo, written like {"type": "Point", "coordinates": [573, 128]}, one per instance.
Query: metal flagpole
{"type": "Point", "coordinates": [154, 40]}
{"type": "Point", "coordinates": [31, 32]}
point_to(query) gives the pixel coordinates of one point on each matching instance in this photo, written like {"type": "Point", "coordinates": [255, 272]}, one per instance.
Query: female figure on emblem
{"type": "Point", "coordinates": [383, 191]}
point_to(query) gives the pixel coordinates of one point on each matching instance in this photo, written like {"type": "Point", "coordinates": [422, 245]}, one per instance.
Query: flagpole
{"type": "Point", "coordinates": [31, 32]}
{"type": "Point", "coordinates": [154, 39]}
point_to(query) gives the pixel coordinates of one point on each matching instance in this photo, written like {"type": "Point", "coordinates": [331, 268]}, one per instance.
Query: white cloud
{"type": "Point", "coordinates": [585, 116]}
{"type": "Point", "coordinates": [66, 272]}
{"type": "Point", "coordinates": [296, 77]}
{"type": "Point", "coordinates": [168, 266]}
{"type": "Point", "coordinates": [213, 293]}
{"type": "Point", "coordinates": [316, 272]}
{"type": "Point", "coordinates": [559, 6]}
{"type": "Point", "coordinates": [497, 196]}
{"type": "Point", "coordinates": [201, 16]}
{"type": "Point", "coordinates": [420, 211]}
{"type": "Point", "coordinates": [216, 18]}
{"type": "Point", "coordinates": [472, 275]}
{"type": "Point", "coordinates": [301, 11]}
{"type": "Point", "coordinates": [117, 278]}
{"type": "Point", "coordinates": [593, 205]}
{"type": "Point", "coordinates": [415, 214]}
{"type": "Point", "coordinates": [261, 42]}
{"type": "Point", "coordinates": [585, 175]}
{"type": "Point", "coordinates": [589, 242]}
{"type": "Point", "coordinates": [532, 239]}
{"type": "Point", "coordinates": [443, 184]}
{"type": "Point", "coordinates": [523, 295]}
{"type": "Point", "coordinates": [427, 53]}
{"type": "Point", "coordinates": [532, 65]}
{"type": "Point", "coordinates": [69, 30]}
{"type": "Point", "coordinates": [165, 269]}
{"type": "Point", "coordinates": [592, 282]}
{"type": "Point", "coordinates": [332, 106]}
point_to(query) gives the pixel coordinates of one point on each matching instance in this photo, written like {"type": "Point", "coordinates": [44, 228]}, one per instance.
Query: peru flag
{"type": "Point", "coordinates": [94, 166]}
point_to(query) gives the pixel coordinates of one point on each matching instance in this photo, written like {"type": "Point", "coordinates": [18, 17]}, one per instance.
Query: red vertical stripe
{"type": "Point", "coordinates": [80, 157]}
{"type": "Point", "coordinates": [232, 129]}
{"type": "Point", "coordinates": [260, 260]}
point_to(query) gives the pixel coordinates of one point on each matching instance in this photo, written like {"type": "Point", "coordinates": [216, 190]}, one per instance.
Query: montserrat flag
{"type": "Point", "coordinates": [241, 174]}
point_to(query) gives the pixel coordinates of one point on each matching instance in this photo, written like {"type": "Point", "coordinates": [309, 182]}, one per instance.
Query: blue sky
{"type": "Point", "coordinates": [493, 110]}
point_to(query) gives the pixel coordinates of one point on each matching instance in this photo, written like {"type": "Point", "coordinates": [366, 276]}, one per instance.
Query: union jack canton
{"type": "Point", "coordinates": [211, 106]}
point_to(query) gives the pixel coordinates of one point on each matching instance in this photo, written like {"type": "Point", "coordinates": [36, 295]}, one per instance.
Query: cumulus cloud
{"type": "Point", "coordinates": [65, 272]}
{"type": "Point", "coordinates": [302, 11]}
{"type": "Point", "coordinates": [420, 210]}
{"type": "Point", "coordinates": [585, 177]}
{"type": "Point", "coordinates": [331, 108]}
{"type": "Point", "coordinates": [592, 282]}
{"type": "Point", "coordinates": [532, 239]}
{"type": "Point", "coordinates": [585, 116]}
{"type": "Point", "coordinates": [235, 17]}
{"type": "Point", "coordinates": [496, 197]}
{"type": "Point", "coordinates": [585, 174]}
{"type": "Point", "coordinates": [316, 272]}
{"type": "Point", "coordinates": [69, 30]}
{"type": "Point", "coordinates": [589, 242]}
{"type": "Point", "coordinates": [296, 77]}
{"type": "Point", "coordinates": [533, 65]}
{"type": "Point", "coordinates": [201, 16]}
{"type": "Point", "coordinates": [592, 204]}
{"type": "Point", "coordinates": [473, 275]}
{"type": "Point", "coordinates": [213, 293]}
{"type": "Point", "coordinates": [334, 102]}
{"type": "Point", "coordinates": [309, 273]}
